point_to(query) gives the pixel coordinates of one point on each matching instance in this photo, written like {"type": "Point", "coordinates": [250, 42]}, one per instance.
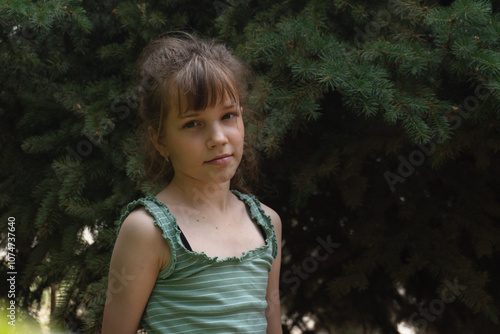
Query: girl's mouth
{"type": "Point", "coordinates": [220, 159]}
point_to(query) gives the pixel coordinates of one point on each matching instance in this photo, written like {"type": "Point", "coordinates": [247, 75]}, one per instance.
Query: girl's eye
{"type": "Point", "coordinates": [190, 125]}
{"type": "Point", "coordinates": [230, 116]}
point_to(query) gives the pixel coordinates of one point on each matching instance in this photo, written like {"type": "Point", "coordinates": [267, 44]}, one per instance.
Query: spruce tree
{"type": "Point", "coordinates": [380, 150]}
{"type": "Point", "coordinates": [69, 156]}
{"type": "Point", "coordinates": [382, 131]}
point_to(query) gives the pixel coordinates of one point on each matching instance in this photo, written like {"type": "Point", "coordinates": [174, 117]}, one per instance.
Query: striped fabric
{"type": "Point", "coordinates": [199, 294]}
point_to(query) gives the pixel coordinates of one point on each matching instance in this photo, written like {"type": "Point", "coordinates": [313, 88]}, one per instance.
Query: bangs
{"type": "Point", "coordinates": [201, 84]}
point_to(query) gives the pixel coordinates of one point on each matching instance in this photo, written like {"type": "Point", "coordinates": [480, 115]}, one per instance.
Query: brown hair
{"type": "Point", "coordinates": [181, 73]}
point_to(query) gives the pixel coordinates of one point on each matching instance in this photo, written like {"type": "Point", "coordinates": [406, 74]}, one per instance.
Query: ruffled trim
{"type": "Point", "coordinates": [256, 213]}
{"type": "Point", "coordinates": [144, 203]}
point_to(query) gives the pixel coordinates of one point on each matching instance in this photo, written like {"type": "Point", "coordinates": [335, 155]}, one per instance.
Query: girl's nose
{"type": "Point", "coordinates": [216, 136]}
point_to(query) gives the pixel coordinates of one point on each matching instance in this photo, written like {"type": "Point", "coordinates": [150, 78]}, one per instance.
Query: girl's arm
{"type": "Point", "coordinates": [139, 254]}
{"type": "Point", "coordinates": [273, 312]}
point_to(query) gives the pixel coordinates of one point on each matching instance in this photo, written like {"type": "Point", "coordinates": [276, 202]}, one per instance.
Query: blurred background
{"type": "Point", "coordinates": [379, 143]}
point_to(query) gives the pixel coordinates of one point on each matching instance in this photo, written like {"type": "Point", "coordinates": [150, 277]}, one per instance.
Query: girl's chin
{"type": "Point", "coordinates": [221, 176]}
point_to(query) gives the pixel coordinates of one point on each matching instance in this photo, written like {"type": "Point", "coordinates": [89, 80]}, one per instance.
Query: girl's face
{"type": "Point", "coordinates": [206, 145]}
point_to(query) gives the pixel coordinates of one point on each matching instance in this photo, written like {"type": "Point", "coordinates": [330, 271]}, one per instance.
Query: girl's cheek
{"type": "Point", "coordinates": [241, 128]}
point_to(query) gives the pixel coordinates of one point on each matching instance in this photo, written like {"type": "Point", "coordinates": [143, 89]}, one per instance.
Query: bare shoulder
{"type": "Point", "coordinates": [275, 218]}
{"type": "Point", "coordinates": [139, 254]}
{"type": "Point", "coordinates": [140, 232]}
{"type": "Point", "coordinates": [141, 224]}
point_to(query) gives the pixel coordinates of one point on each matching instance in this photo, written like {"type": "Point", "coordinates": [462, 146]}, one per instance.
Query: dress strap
{"type": "Point", "coordinates": [259, 215]}
{"type": "Point", "coordinates": [163, 219]}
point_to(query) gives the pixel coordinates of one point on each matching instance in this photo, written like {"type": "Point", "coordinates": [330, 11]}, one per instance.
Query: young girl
{"type": "Point", "coordinates": [202, 256]}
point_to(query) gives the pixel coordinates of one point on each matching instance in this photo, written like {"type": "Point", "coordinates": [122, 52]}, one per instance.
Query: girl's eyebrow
{"type": "Point", "coordinates": [190, 114]}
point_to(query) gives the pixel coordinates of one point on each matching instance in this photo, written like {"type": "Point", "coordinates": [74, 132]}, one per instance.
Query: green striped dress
{"type": "Point", "coordinates": [200, 294]}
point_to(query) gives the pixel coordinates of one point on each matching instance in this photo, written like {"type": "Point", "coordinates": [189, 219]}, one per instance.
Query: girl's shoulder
{"type": "Point", "coordinates": [275, 219]}
{"type": "Point", "coordinates": [140, 232]}
{"type": "Point", "coordinates": [140, 220]}
{"type": "Point", "coordinates": [139, 224]}
{"type": "Point", "coordinates": [272, 214]}
{"type": "Point", "coordinates": [137, 214]}
{"type": "Point", "coordinates": [146, 211]}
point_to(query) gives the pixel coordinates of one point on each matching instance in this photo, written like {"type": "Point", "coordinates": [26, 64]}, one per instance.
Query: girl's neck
{"type": "Point", "coordinates": [198, 195]}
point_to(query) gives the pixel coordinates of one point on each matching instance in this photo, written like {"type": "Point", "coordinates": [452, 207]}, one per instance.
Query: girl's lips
{"type": "Point", "coordinates": [220, 160]}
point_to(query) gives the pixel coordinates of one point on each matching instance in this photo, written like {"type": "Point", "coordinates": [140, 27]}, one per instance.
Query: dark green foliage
{"type": "Point", "coordinates": [67, 111]}
{"type": "Point", "coordinates": [381, 137]}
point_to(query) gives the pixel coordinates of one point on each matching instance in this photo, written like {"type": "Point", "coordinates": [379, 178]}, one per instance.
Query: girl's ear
{"type": "Point", "coordinates": [160, 147]}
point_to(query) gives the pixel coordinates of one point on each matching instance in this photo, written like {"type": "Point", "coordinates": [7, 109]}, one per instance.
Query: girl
{"type": "Point", "coordinates": [203, 255]}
